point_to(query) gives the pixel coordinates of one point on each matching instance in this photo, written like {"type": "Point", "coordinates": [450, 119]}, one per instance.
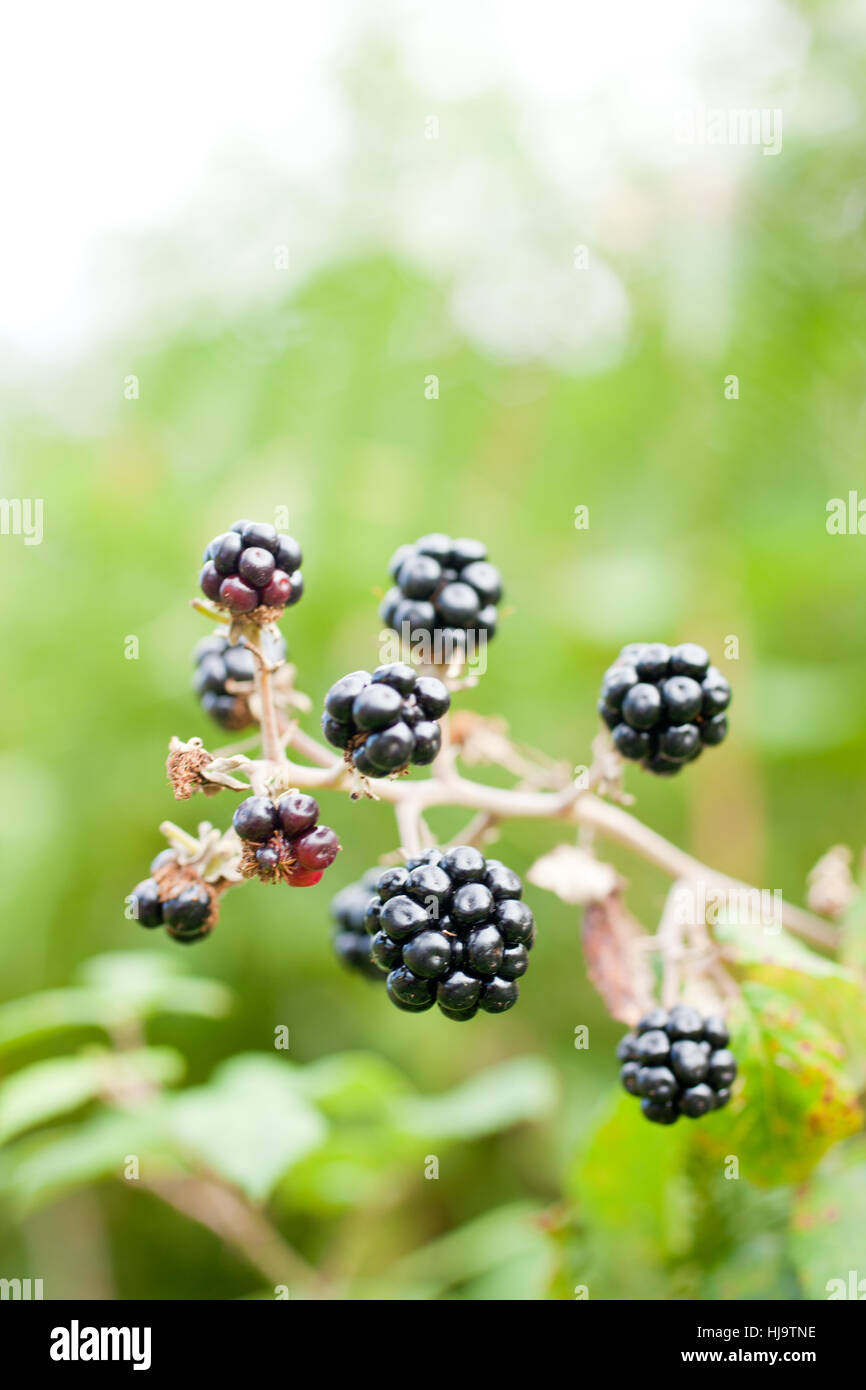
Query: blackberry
{"type": "Point", "coordinates": [386, 720]}
{"type": "Point", "coordinates": [449, 928]}
{"type": "Point", "coordinates": [678, 1062]}
{"type": "Point", "coordinates": [663, 705]}
{"type": "Point", "coordinates": [445, 590]}
{"type": "Point", "coordinates": [283, 841]}
{"type": "Point", "coordinates": [224, 676]}
{"type": "Point", "coordinates": [176, 898]}
{"type": "Point", "coordinates": [350, 939]}
{"type": "Point", "coordinates": [252, 566]}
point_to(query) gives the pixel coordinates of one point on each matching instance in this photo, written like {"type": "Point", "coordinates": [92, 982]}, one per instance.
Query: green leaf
{"type": "Point", "coordinates": [629, 1183]}
{"type": "Point", "coordinates": [46, 1090]}
{"type": "Point", "coordinates": [35, 1016]}
{"type": "Point", "coordinates": [509, 1240]}
{"type": "Point", "coordinates": [353, 1085]}
{"type": "Point", "coordinates": [250, 1122]}
{"type": "Point", "coordinates": [41, 1168]}
{"type": "Point", "coordinates": [512, 1093]}
{"type": "Point", "coordinates": [828, 1228]}
{"type": "Point", "coordinates": [117, 988]}
{"type": "Point", "coordinates": [792, 1099]}
{"type": "Point", "coordinates": [353, 1168]}
{"type": "Point", "coordinates": [144, 983]}
{"type": "Point", "coordinates": [754, 1269]}
{"type": "Point", "coordinates": [830, 993]}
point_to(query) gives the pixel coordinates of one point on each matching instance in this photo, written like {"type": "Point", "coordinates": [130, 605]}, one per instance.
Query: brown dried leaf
{"type": "Point", "coordinates": [615, 961]}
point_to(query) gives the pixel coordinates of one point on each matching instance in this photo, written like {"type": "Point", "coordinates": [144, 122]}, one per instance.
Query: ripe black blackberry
{"type": "Point", "coordinates": [664, 705]}
{"type": "Point", "coordinates": [175, 897]}
{"type": "Point", "coordinates": [449, 928]}
{"type": "Point", "coordinates": [349, 937]}
{"type": "Point", "coordinates": [445, 589]}
{"type": "Point", "coordinates": [224, 676]}
{"type": "Point", "coordinates": [678, 1063]}
{"type": "Point", "coordinates": [283, 841]}
{"type": "Point", "coordinates": [252, 567]}
{"type": "Point", "coordinates": [386, 720]}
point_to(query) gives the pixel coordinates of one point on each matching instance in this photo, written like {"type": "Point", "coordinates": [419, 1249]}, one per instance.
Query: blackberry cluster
{"type": "Point", "coordinates": [224, 676]}
{"type": "Point", "coordinates": [350, 940]}
{"type": "Point", "coordinates": [386, 720]}
{"type": "Point", "coordinates": [445, 587]}
{"type": "Point", "coordinates": [679, 1064]}
{"type": "Point", "coordinates": [283, 841]}
{"type": "Point", "coordinates": [250, 566]}
{"type": "Point", "coordinates": [664, 705]}
{"type": "Point", "coordinates": [450, 929]}
{"type": "Point", "coordinates": [176, 898]}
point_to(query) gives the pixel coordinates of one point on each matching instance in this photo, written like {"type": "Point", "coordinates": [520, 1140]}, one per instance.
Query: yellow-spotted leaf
{"type": "Point", "coordinates": [793, 1097]}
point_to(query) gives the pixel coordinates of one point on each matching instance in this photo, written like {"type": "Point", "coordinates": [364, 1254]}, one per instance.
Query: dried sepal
{"type": "Point", "coordinates": [831, 884]}
{"type": "Point", "coordinates": [218, 770]}
{"type": "Point", "coordinates": [574, 875]}
{"type": "Point", "coordinates": [185, 767]}
{"type": "Point", "coordinates": [607, 773]}
{"type": "Point", "coordinates": [213, 853]}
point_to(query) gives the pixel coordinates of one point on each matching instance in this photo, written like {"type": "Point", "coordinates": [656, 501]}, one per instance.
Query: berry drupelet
{"type": "Point", "coordinates": [664, 705]}
{"type": "Point", "coordinates": [283, 841]}
{"type": "Point", "coordinates": [176, 898]}
{"type": "Point", "coordinates": [678, 1063]}
{"type": "Point", "coordinates": [349, 938]}
{"type": "Point", "coordinates": [224, 676]}
{"type": "Point", "coordinates": [449, 929]}
{"type": "Point", "coordinates": [386, 720]}
{"type": "Point", "coordinates": [252, 566]}
{"type": "Point", "coordinates": [443, 588]}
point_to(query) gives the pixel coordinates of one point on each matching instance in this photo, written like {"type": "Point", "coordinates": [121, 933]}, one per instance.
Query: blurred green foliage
{"type": "Point", "coordinates": [707, 519]}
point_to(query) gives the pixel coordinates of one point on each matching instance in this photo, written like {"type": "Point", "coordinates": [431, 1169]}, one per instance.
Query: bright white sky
{"type": "Point", "coordinates": [119, 123]}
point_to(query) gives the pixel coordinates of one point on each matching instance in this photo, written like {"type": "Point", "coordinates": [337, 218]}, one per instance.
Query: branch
{"type": "Point", "coordinates": [235, 1222]}
{"type": "Point", "coordinates": [573, 805]}
{"type": "Point", "coordinates": [272, 743]}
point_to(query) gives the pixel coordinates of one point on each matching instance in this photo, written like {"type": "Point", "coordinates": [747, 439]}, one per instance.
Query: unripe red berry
{"type": "Point", "coordinates": [304, 878]}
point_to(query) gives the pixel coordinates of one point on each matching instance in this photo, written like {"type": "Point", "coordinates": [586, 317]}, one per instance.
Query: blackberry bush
{"type": "Point", "coordinates": [349, 936]}
{"type": "Point", "coordinates": [678, 1063]}
{"type": "Point", "coordinates": [444, 588]}
{"type": "Point", "coordinates": [251, 568]}
{"type": "Point", "coordinates": [224, 676]}
{"type": "Point", "coordinates": [449, 929]}
{"type": "Point", "coordinates": [664, 705]}
{"type": "Point", "coordinates": [386, 720]}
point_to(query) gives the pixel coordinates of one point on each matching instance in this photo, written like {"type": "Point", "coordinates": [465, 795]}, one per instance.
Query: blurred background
{"type": "Point", "coordinates": [240, 249]}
